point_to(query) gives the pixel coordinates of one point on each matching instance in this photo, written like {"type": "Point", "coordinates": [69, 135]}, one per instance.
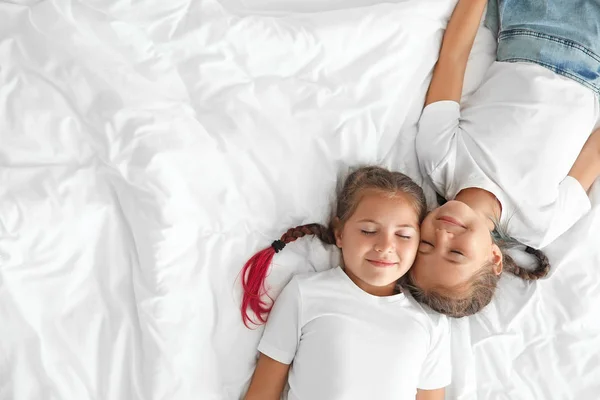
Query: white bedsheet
{"type": "Point", "coordinates": [147, 149]}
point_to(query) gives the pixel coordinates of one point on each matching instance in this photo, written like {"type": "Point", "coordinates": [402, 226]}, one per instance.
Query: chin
{"type": "Point", "coordinates": [455, 206]}
{"type": "Point", "coordinates": [455, 209]}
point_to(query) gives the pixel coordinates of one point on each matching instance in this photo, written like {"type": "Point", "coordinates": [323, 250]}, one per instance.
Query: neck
{"type": "Point", "coordinates": [482, 202]}
{"type": "Point", "coordinates": [380, 291]}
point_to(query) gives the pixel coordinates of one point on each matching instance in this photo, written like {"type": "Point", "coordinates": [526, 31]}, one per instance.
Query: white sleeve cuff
{"type": "Point", "coordinates": [276, 354]}
{"type": "Point", "coordinates": [572, 204]}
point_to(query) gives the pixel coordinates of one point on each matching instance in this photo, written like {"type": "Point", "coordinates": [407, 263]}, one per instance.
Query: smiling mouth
{"type": "Point", "coordinates": [382, 264]}
{"type": "Point", "coordinates": [450, 220]}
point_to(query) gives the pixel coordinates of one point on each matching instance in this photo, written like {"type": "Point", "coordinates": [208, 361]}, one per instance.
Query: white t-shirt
{"type": "Point", "coordinates": [344, 343]}
{"type": "Point", "coordinates": [517, 136]}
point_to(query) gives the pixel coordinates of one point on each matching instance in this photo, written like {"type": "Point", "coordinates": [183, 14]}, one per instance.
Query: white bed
{"type": "Point", "coordinates": [148, 148]}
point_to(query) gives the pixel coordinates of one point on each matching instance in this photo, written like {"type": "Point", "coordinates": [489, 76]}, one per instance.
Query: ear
{"type": "Point", "coordinates": [497, 259]}
{"type": "Point", "coordinates": [337, 230]}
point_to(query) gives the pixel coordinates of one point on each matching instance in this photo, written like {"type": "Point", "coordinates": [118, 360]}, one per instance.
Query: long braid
{"type": "Point", "coordinates": [505, 242]}
{"type": "Point", "coordinates": [541, 269]}
{"type": "Point", "coordinates": [380, 179]}
{"type": "Point", "coordinates": [255, 271]}
{"type": "Point", "coordinates": [318, 230]}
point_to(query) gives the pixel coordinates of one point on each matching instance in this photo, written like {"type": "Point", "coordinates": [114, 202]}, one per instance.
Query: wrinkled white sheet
{"type": "Point", "coordinates": [148, 148]}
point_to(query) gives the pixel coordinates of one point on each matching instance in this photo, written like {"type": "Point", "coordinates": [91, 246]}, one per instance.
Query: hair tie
{"type": "Point", "coordinates": [278, 245]}
{"type": "Point", "coordinates": [530, 250]}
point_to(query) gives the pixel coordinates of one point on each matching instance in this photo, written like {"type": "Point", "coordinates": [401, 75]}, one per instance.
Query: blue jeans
{"type": "Point", "coordinates": [561, 35]}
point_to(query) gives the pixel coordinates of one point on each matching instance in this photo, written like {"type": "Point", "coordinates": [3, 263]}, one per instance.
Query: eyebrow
{"type": "Point", "coordinates": [397, 226]}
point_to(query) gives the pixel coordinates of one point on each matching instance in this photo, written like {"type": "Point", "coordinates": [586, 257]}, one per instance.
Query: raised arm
{"type": "Point", "coordinates": [587, 166]}
{"type": "Point", "coordinates": [449, 72]}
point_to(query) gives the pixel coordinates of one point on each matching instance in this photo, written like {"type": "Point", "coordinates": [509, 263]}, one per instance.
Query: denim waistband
{"type": "Point", "coordinates": [562, 56]}
{"type": "Point", "coordinates": [561, 35]}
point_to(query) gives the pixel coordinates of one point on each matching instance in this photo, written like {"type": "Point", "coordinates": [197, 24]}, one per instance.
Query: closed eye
{"type": "Point", "coordinates": [403, 236]}
{"type": "Point", "coordinates": [427, 243]}
{"type": "Point", "coordinates": [368, 232]}
{"type": "Point", "coordinates": [456, 252]}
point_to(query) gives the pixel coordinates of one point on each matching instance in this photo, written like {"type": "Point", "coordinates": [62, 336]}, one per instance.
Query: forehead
{"type": "Point", "coordinates": [383, 207]}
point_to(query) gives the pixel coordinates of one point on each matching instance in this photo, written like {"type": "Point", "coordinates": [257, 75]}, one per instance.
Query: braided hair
{"type": "Point", "coordinates": [540, 271]}
{"type": "Point", "coordinates": [256, 268]}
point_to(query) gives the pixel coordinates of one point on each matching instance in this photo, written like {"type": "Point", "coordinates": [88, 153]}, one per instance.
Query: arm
{"type": "Point", "coordinates": [437, 394]}
{"type": "Point", "coordinates": [268, 380]}
{"type": "Point", "coordinates": [278, 345]}
{"type": "Point", "coordinates": [587, 166]}
{"type": "Point", "coordinates": [449, 72]}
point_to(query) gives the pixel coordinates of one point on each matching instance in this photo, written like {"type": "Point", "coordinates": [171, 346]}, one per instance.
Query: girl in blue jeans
{"type": "Point", "coordinates": [514, 161]}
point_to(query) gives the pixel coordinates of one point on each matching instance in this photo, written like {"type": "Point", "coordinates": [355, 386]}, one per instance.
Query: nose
{"type": "Point", "coordinates": [385, 244]}
{"type": "Point", "coordinates": [442, 236]}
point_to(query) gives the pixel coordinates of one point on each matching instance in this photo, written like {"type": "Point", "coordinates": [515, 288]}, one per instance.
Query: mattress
{"type": "Point", "coordinates": [148, 148]}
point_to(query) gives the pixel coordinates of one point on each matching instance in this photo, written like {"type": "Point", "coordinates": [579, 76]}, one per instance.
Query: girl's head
{"type": "Point", "coordinates": [377, 227]}
{"type": "Point", "coordinates": [460, 259]}
{"type": "Point", "coordinates": [375, 224]}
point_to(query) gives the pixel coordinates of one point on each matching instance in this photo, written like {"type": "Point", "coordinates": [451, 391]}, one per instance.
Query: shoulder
{"type": "Point", "coordinates": [439, 117]}
{"type": "Point", "coordinates": [313, 281]}
{"type": "Point", "coordinates": [438, 126]}
{"type": "Point", "coordinates": [440, 108]}
{"type": "Point", "coordinates": [431, 321]}
{"type": "Point", "coordinates": [309, 278]}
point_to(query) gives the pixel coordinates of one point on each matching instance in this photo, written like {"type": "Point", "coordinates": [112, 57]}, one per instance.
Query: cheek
{"type": "Point", "coordinates": [344, 238]}
{"type": "Point", "coordinates": [428, 221]}
{"type": "Point", "coordinates": [427, 230]}
{"type": "Point", "coordinates": [419, 272]}
{"type": "Point", "coordinates": [353, 251]}
{"type": "Point", "coordinates": [408, 251]}
{"type": "Point", "coordinates": [354, 243]}
{"type": "Point", "coordinates": [358, 239]}
{"type": "Point", "coordinates": [478, 244]}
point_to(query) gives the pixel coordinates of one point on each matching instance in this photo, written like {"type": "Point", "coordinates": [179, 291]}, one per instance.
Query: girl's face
{"type": "Point", "coordinates": [379, 241]}
{"type": "Point", "coordinates": [455, 244]}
